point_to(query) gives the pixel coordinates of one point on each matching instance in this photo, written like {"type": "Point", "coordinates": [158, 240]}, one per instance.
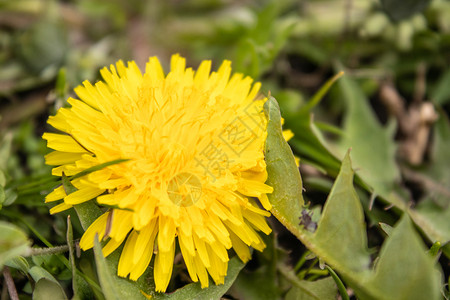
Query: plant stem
{"type": "Point", "coordinates": [48, 251]}
{"type": "Point", "coordinates": [10, 284]}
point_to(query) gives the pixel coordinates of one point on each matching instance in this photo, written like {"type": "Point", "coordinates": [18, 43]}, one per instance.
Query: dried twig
{"type": "Point", "coordinates": [10, 284]}
{"type": "Point", "coordinates": [414, 122]}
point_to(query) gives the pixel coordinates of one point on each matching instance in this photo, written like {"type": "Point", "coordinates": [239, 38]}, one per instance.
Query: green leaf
{"type": "Point", "coordinates": [260, 284]}
{"type": "Point", "coordinates": [109, 287]}
{"type": "Point", "coordinates": [386, 228]}
{"type": "Point", "coordinates": [80, 287]}
{"type": "Point", "coordinates": [322, 289]}
{"type": "Point", "coordinates": [340, 285]}
{"type": "Point", "coordinates": [285, 178]}
{"type": "Point", "coordinates": [46, 289]}
{"type": "Point", "coordinates": [2, 196]}
{"type": "Point", "coordinates": [2, 179]}
{"type": "Point", "coordinates": [340, 241]}
{"type": "Point", "coordinates": [433, 220]}
{"type": "Point", "coordinates": [432, 213]}
{"type": "Point", "coordinates": [113, 286]}
{"type": "Point", "coordinates": [441, 94]}
{"type": "Point", "coordinates": [399, 10]}
{"type": "Point", "coordinates": [342, 222]}
{"type": "Point", "coordinates": [87, 212]}
{"type": "Point", "coordinates": [404, 269]}
{"type": "Point", "coordinates": [19, 263]}
{"type": "Point", "coordinates": [39, 273]}
{"type": "Point", "coordinates": [194, 290]}
{"type": "Point", "coordinates": [308, 140]}
{"type": "Point", "coordinates": [13, 242]}
{"type": "Point", "coordinates": [373, 147]}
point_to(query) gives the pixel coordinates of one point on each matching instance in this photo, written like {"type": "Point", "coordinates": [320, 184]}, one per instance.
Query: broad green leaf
{"type": "Point", "coordinates": [109, 287]}
{"type": "Point", "coordinates": [404, 270]}
{"type": "Point", "coordinates": [342, 223]}
{"type": "Point", "coordinates": [113, 286]}
{"type": "Point", "coordinates": [285, 179]}
{"type": "Point", "coordinates": [322, 289]}
{"type": "Point", "coordinates": [46, 289]}
{"type": "Point", "coordinates": [373, 147]}
{"type": "Point", "coordinates": [13, 242]}
{"type": "Point", "coordinates": [194, 290]}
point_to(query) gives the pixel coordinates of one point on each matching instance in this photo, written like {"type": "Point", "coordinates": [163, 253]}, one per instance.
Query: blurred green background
{"type": "Point", "coordinates": [397, 53]}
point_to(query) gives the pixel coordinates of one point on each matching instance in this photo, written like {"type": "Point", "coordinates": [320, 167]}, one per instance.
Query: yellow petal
{"type": "Point", "coordinates": [82, 195]}
{"type": "Point", "coordinates": [63, 143]}
{"type": "Point", "coordinates": [59, 208]}
{"type": "Point", "coordinates": [97, 227]}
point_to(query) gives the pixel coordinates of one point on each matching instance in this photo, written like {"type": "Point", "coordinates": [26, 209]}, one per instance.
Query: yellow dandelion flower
{"type": "Point", "coordinates": [195, 166]}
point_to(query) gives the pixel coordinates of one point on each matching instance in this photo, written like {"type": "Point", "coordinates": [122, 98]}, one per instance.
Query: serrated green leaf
{"type": "Point", "coordinates": [337, 217]}
{"type": "Point", "coordinates": [13, 242]}
{"type": "Point", "coordinates": [373, 147]}
{"type": "Point", "coordinates": [195, 292]}
{"type": "Point", "coordinates": [46, 289]}
{"type": "Point", "coordinates": [342, 243]}
{"type": "Point", "coordinates": [405, 270]}
{"type": "Point", "coordinates": [342, 222]}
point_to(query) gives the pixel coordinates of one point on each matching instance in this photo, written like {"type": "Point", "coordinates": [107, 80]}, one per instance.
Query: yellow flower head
{"type": "Point", "coordinates": [194, 143]}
